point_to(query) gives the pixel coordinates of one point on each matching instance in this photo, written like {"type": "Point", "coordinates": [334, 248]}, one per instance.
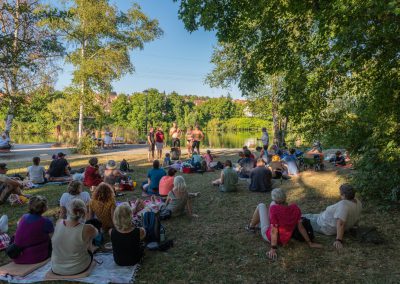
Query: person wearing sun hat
{"type": "Point", "coordinates": [59, 169]}
{"type": "Point", "coordinates": [7, 184]}
{"type": "Point", "coordinates": [112, 175]}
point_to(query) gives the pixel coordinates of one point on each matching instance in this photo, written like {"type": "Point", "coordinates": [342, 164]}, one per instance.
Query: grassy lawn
{"type": "Point", "coordinates": [216, 248]}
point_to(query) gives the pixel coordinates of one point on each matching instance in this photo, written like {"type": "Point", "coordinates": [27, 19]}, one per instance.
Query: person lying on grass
{"type": "Point", "coordinates": [339, 217]}
{"type": "Point", "coordinates": [8, 185]}
{"type": "Point", "coordinates": [278, 222]}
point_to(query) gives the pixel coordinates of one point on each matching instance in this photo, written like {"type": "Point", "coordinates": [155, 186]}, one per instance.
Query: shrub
{"type": "Point", "coordinates": [86, 146]}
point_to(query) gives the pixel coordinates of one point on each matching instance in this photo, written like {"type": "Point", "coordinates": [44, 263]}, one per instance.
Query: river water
{"type": "Point", "coordinates": [212, 139]}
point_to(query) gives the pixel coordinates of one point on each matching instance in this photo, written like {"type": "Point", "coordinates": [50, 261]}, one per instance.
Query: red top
{"type": "Point", "coordinates": [159, 137]}
{"type": "Point", "coordinates": [92, 177]}
{"type": "Point", "coordinates": [166, 185]}
{"type": "Point", "coordinates": [285, 218]}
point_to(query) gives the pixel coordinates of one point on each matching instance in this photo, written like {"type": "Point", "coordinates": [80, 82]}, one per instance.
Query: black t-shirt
{"type": "Point", "coordinates": [127, 248]}
{"type": "Point", "coordinates": [152, 138]}
{"type": "Point", "coordinates": [57, 168]}
{"type": "Point", "coordinates": [261, 179]}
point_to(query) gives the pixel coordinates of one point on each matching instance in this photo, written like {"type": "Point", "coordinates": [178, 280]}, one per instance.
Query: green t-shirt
{"type": "Point", "coordinates": [230, 180]}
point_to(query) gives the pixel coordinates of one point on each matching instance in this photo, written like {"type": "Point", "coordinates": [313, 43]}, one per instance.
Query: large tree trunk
{"type": "Point", "coordinates": [275, 109]}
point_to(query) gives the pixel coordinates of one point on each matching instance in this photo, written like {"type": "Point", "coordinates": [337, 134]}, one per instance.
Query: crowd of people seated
{"type": "Point", "coordinates": [71, 242]}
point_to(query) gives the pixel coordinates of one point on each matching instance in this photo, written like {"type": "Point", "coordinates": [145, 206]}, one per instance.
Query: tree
{"type": "Point", "coordinates": [26, 51]}
{"type": "Point", "coordinates": [101, 37]}
{"type": "Point", "coordinates": [340, 62]}
{"type": "Point", "coordinates": [120, 109]}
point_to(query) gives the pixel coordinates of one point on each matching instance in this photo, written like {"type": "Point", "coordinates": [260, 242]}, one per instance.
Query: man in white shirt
{"type": "Point", "coordinates": [264, 137]}
{"type": "Point", "coordinates": [339, 217]}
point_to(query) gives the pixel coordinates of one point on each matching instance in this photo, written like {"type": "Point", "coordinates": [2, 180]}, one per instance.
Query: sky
{"type": "Point", "coordinates": [178, 61]}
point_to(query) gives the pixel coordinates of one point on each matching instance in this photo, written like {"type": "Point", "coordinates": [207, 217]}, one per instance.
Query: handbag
{"type": "Point", "coordinates": [307, 226]}
{"type": "Point", "coordinates": [13, 251]}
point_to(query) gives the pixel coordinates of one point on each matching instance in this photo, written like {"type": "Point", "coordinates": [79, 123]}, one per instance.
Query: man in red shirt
{"type": "Point", "coordinates": [159, 142]}
{"type": "Point", "coordinates": [278, 223]}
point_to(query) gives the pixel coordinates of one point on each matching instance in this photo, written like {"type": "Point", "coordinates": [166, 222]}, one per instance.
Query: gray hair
{"type": "Point", "coordinates": [76, 209]}
{"type": "Point", "coordinates": [278, 195]}
{"type": "Point", "coordinates": [179, 184]}
{"type": "Point", "coordinates": [347, 191]}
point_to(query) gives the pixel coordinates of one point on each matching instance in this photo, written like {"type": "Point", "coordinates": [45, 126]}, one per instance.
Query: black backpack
{"type": "Point", "coordinates": [309, 229]}
{"type": "Point", "coordinates": [152, 225]}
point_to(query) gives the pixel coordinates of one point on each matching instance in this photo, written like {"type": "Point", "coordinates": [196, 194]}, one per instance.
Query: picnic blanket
{"type": "Point", "coordinates": [106, 272]}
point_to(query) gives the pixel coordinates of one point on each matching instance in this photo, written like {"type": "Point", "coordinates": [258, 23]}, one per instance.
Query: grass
{"type": "Point", "coordinates": [216, 248]}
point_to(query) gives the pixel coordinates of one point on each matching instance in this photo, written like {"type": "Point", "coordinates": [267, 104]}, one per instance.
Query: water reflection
{"type": "Point", "coordinates": [212, 139]}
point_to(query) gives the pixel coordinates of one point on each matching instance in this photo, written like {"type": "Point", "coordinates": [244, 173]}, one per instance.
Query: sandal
{"type": "Point", "coordinates": [250, 229]}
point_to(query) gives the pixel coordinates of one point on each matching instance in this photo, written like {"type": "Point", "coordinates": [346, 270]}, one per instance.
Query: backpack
{"type": "Point", "coordinates": [152, 225]}
{"type": "Point", "coordinates": [309, 229]}
{"type": "Point", "coordinates": [175, 154]}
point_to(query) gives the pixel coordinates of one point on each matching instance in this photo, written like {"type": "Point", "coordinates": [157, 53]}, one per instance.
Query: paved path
{"type": "Point", "coordinates": [25, 152]}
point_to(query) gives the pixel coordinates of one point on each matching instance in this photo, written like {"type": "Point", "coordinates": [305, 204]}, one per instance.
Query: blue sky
{"type": "Point", "coordinates": [178, 61]}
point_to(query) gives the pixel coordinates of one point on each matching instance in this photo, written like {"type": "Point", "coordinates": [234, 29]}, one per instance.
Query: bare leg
{"type": "Point", "coordinates": [217, 182]}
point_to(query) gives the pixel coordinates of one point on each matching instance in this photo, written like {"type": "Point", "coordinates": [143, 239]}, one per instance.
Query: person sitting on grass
{"type": "Point", "coordinates": [8, 185]}
{"type": "Point", "coordinates": [261, 178]}
{"type": "Point", "coordinates": [74, 191]}
{"type": "Point", "coordinates": [179, 199]}
{"type": "Point", "coordinates": [339, 159]}
{"type": "Point", "coordinates": [241, 157]}
{"type": "Point", "coordinates": [278, 168]}
{"type": "Point", "coordinates": [33, 233]}
{"type": "Point", "coordinates": [167, 160]}
{"type": "Point", "coordinates": [245, 148]}
{"type": "Point", "coordinates": [196, 160]}
{"type": "Point", "coordinates": [112, 175]}
{"type": "Point", "coordinates": [339, 217]}
{"type": "Point", "coordinates": [126, 238]}
{"type": "Point", "coordinates": [209, 158]}
{"type": "Point", "coordinates": [59, 170]}
{"type": "Point", "coordinates": [291, 162]}
{"type": "Point", "coordinates": [228, 180]}
{"type": "Point", "coordinates": [246, 165]}
{"type": "Point", "coordinates": [36, 174]}
{"type": "Point", "coordinates": [92, 176]}
{"type": "Point", "coordinates": [167, 183]}
{"type": "Point", "coordinates": [153, 179]}
{"type": "Point", "coordinates": [278, 222]}
{"type": "Point", "coordinates": [72, 242]}
{"type": "Point", "coordinates": [102, 205]}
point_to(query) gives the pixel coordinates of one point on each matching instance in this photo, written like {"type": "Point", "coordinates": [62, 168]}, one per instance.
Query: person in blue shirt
{"type": "Point", "coordinates": [153, 179]}
{"type": "Point", "coordinates": [291, 162]}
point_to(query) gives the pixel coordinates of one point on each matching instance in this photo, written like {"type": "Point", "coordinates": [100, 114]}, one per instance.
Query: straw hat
{"type": "Point", "coordinates": [111, 165]}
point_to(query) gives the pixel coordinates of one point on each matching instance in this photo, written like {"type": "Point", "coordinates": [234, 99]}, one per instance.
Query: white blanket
{"type": "Point", "coordinates": [105, 272]}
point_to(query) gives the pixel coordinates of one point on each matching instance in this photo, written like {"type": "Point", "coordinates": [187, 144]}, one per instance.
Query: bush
{"type": "Point", "coordinates": [378, 173]}
{"type": "Point", "coordinates": [87, 146]}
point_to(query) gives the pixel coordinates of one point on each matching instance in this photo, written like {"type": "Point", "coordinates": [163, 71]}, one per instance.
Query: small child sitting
{"type": "Point", "coordinates": [167, 160]}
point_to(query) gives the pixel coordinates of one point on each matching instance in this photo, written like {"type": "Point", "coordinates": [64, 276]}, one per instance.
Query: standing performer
{"type": "Point", "coordinates": [198, 136]}
{"type": "Point", "coordinates": [175, 134]}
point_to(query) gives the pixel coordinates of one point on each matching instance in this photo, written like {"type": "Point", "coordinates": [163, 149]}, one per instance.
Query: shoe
{"type": "Point", "coordinates": [250, 229]}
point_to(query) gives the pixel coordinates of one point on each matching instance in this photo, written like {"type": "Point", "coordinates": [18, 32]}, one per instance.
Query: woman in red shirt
{"type": "Point", "coordinates": [92, 176]}
{"type": "Point", "coordinates": [278, 223]}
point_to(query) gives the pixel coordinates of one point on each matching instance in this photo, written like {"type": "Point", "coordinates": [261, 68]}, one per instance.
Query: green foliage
{"type": "Point", "coordinates": [340, 69]}
{"type": "Point", "coordinates": [86, 146]}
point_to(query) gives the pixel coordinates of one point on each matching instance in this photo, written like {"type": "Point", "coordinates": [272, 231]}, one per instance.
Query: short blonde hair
{"type": "Point", "coordinates": [278, 195]}
{"type": "Point", "coordinates": [123, 217]}
{"type": "Point", "coordinates": [37, 205]}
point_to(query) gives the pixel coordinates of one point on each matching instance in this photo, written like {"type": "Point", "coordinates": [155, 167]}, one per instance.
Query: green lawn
{"type": "Point", "coordinates": [216, 248]}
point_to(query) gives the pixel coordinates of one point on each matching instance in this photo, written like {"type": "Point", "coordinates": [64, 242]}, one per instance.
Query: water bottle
{"type": "Point", "coordinates": [162, 234]}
